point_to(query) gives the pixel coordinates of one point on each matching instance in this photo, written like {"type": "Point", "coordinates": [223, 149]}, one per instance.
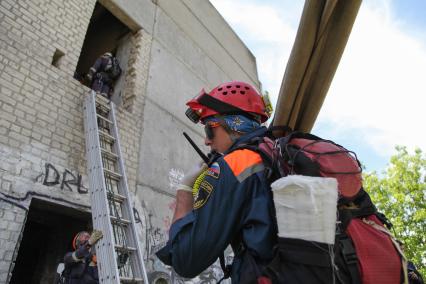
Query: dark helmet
{"type": "Point", "coordinates": [228, 98]}
{"type": "Point", "coordinates": [79, 239]}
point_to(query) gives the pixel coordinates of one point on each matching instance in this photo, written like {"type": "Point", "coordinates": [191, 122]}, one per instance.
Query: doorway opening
{"type": "Point", "coordinates": [47, 236]}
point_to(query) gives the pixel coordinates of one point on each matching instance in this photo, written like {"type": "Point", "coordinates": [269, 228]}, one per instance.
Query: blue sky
{"type": "Point", "coordinates": [377, 98]}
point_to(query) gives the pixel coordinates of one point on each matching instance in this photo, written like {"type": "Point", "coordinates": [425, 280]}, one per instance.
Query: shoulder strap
{"type": "Point", "coordinates": [349, 256]}
{"type": "Point", "coordinates": [270, 164]}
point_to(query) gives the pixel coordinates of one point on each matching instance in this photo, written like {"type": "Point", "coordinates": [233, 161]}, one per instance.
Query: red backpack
{"type": "Point", "coordinates": [364, 250]}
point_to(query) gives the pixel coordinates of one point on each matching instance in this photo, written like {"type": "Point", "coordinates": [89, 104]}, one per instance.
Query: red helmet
{"type": "Point", "coordinates": [228, 98]}
{"type": "Point", "coordinates": [79, 239]}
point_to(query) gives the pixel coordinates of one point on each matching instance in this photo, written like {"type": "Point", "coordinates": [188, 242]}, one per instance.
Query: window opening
{"type": "Point", "coordinates": [57, 58]}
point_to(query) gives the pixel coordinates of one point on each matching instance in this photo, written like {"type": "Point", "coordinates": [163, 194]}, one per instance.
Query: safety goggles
{"type": "Point", "coordinates": [208, 129]}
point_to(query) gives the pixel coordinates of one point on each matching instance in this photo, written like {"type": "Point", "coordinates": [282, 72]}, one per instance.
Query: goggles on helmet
{"type": "Point", "coordinates": [193, 115]}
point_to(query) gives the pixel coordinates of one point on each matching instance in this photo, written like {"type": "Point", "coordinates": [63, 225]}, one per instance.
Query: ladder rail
{"type": "Point", "coordinates": [120, 257]}
{"type": "Point", "coordinates": [126, 192]}
{"type": "Point", "coordinates": [104, 248]}
{"type": "Point", "coordinates": [91, 142]}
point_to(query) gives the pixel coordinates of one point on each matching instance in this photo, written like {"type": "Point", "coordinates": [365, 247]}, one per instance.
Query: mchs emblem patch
{"type": "Point", "coordinates": [203, 194]}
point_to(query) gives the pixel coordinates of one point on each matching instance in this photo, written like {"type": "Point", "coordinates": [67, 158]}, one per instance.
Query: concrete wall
{"type": "Point", "coordinates": [177, 47]}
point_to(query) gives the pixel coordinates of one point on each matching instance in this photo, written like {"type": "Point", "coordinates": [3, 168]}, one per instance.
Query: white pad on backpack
{"type": "Point", "coordinates": [306, 207]}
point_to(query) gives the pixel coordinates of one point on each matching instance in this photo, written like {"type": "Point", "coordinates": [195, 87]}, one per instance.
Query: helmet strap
{"type": "Point", "coordinates": [233, 137]}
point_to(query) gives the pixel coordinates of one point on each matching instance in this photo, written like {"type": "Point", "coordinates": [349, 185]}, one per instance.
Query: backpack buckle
{"type": "Point", "coordinates": [268, 173]}
{"type": "Point", "coordinates": [348, 251]}
{"type": "Point", "coordinates": [350, 258]}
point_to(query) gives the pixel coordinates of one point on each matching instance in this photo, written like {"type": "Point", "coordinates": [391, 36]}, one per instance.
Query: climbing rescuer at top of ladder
{"type": "Point", "coordinates": [104, 72]}
{"type": "Point", "coordinates": [228, 202]}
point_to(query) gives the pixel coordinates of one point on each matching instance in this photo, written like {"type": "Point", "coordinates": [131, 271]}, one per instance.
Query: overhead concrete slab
{"type": "Point", "coordinates": [136, 14]}
{"type": "Point", "coordinates": [207, 14]}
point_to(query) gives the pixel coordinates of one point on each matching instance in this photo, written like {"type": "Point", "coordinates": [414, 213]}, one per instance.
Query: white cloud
{"type": "Point", "coordinates": [379, 87]}
{"type": "Point", "coordinates": [255, 19]}
{"type": "Point", "coordinates": [268, 31]}
{"type": "Point", "coordinates": [378, 90]}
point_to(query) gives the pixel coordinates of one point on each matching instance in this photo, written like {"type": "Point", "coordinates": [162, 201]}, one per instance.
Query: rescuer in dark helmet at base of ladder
{"type": "Point", "coordinates": [81, 264]}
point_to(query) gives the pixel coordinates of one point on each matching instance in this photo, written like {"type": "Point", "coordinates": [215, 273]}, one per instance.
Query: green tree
{"type": "Point", "coordinates": [400, 193]}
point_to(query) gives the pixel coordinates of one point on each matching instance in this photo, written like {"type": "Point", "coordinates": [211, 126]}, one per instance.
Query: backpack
{"type": "Point", "coordinates": [364, 250]}
{"type": "Point", "coordinates": [114, 69]}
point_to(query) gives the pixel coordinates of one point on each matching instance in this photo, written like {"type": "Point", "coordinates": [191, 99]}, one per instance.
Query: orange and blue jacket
{"type": "Point", "coordinates": [232, 206]}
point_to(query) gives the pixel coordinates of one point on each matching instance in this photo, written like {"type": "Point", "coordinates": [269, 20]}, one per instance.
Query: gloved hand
{"type": "Point", "coordinates": [95, 237]}
{"type": "Point", "coordinates": [189, 178]}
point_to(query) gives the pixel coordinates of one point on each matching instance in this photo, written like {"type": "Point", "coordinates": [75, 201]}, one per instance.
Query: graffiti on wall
{"type": "Point", "coordinates": [66, 179]}
{"type": "Point", "coordinates": [175, 176]}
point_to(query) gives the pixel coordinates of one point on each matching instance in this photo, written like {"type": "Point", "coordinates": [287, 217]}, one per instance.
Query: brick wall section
{"type": "Point", "coordinates": [10, 233]}
{"type": "Point", "coordinates": [41, 104]}
{"type": "Point", "coordinates": [40, 108]}
{"type": "Point", "coordinates": [130, 126]}
{"type": "Point", "coordinates": [41, 117]}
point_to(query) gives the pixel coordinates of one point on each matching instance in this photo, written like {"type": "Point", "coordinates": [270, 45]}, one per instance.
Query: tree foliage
{"type": "Point", "coordinates": [400, 193]}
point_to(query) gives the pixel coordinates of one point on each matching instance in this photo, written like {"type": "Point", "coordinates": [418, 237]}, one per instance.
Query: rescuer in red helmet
{"type": "Point", "coordinates": [228, 202]}
{"type": "Point", "coordinates": [80, 264]}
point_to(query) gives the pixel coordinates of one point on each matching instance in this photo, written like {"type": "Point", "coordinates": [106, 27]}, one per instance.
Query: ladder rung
{"type": "Point", "coordinates": [109, 154]}
{"type": "Point", "coordinates": [130, 280]}
{"type": "Point", "coordinates": [102, 100]}
{"type": "Point", "coordinates": [104, 118]}
{"type": "Point", "coordinates": [116, 196]}
{"type": "Point", "coordinates": [123, 248]}
{"type": "Point", "coordinates": [106, 135]}
{"type": "Point", "coordinates": [102, 107]}
{"type": "Point", "coordinates": [112, 174]}
{"type": "Point", "coordinates": [121, 220]}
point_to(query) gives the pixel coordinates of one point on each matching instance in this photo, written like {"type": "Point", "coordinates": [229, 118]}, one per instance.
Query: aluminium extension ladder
{"type": "Point", "coordinates": [118, 253]}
